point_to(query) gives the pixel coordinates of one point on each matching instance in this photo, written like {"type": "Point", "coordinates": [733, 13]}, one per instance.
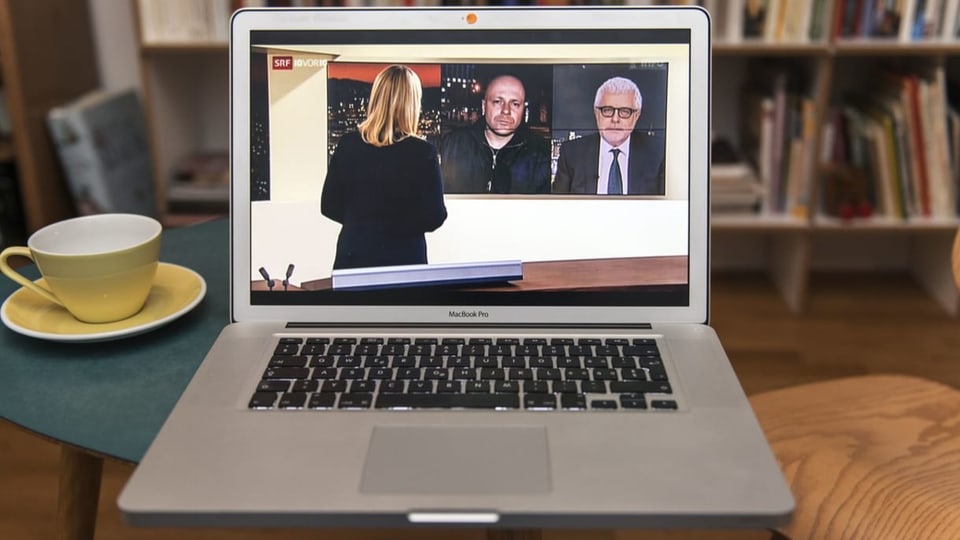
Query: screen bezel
{"type": "Point", "coordinates": [693, 19]}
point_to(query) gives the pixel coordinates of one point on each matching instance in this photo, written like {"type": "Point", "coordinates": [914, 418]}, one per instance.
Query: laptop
{"type": "Point", "coordinates": [536, 354]}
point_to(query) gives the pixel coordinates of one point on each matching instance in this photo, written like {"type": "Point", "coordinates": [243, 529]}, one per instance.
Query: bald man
{"type": "Point", "coordinates": [498, 154]}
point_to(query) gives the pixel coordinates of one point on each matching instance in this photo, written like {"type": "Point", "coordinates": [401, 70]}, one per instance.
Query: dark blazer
{"type": "Point", "coordinates": [386, 198]}
{"type": "Point", "coordinates": [577, 166]}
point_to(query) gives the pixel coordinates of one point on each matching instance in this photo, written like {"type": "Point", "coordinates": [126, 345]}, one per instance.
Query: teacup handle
{"type": "Point", "coordinates": [14, 275]}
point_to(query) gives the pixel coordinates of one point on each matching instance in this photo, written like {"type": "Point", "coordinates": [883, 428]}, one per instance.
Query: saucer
{"type": "Point", "coordinates": [176, 290]}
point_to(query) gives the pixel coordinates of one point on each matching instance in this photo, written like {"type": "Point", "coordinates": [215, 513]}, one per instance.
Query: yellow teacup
{"type": "Point", "coordinates": [100, 267]}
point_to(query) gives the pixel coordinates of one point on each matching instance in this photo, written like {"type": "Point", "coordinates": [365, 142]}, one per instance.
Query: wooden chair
{"type": "Point", "coordinates": [870, 457]}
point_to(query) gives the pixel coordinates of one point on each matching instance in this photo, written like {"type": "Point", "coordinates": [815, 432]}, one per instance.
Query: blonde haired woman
{"type": "Point", "coordinates": [383, 183]}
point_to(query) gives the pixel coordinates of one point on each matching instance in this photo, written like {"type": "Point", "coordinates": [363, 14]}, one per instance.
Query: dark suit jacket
{"type": "Point", "coordinates": [577, 166]}
{"type": "Point", "coordinates": [386, 198]}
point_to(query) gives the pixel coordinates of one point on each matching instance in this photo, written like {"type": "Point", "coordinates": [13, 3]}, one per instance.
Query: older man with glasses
{"type": "Point", "coordinates": [617, 160]}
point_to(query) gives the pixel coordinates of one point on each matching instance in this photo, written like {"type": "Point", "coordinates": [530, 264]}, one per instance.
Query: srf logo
{"type": "Point", "coordinates": [282, 62]}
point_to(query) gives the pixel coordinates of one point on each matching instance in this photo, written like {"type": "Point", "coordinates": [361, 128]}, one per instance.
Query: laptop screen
{"type": "Point", "coordinates": [487, 167]}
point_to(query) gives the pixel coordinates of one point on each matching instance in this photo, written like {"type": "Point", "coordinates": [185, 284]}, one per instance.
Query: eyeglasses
{"type": "Point", "coordinates": [622, 112]}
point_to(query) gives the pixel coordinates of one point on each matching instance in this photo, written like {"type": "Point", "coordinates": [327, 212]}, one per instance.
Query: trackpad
{"type": "Point", "coordinates": [461, 460]}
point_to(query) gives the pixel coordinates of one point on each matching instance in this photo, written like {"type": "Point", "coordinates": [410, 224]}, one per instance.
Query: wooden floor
{"type": "Point", "coordinates": [852, 325]}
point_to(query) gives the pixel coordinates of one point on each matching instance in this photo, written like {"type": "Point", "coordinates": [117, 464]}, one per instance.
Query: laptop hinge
{"type": "Point", "coordinates": [585, 326]}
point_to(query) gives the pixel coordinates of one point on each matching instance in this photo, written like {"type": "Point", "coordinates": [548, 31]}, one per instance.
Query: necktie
{"type": "Point", "coordinates": [615, 179]}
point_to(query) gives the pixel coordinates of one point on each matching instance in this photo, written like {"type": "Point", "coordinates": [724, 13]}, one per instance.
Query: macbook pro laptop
{"type": "Point", "coordinates": [543, 358]}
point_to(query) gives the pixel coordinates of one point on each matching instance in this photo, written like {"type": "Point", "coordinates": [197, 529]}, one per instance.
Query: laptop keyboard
{"type": "Point", "coordinates": [465, 373]}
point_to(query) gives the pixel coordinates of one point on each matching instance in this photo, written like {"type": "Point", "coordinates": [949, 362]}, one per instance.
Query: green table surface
{"type": "Point", "coordinates": [112, 397]}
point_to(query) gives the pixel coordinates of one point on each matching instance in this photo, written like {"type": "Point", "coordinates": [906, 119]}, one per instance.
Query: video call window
{"type": "Point", "coordinates": [532, 157]}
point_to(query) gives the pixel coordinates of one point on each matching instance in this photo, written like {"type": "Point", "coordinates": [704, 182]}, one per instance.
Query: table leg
{"type": "Point", "coordinates": [80, 474]}
{"type": "Point", "coordinates": [514, 534]}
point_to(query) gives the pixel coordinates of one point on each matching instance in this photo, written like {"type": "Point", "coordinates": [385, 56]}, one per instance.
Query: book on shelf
{"type": "Point", "coordinates": [900, 135]}
{"type": "Point", "coordinates": [184, 21]}
{"type": "Point", "coordinates": [734, 186]}
{"type": "Point", "coordinates": [770, 21]}
{"type": "Point", "coordinates": [903, 20]}
{"type": "Point", "coordinates": [101, 141]}
{"type": "Point", "coordinates": [777, 131]}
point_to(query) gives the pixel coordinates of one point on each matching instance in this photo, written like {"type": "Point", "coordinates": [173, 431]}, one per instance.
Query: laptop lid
{"type": "Point", "coordinates": [547, 246]}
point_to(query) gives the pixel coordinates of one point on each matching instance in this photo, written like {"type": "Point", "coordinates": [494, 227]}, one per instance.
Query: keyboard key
{"type": "Point", "coordinates": [376, 362]}
{"type": "Point", "coordinates": [286, 373]}
{"type": "Point", "coordinates": [606, 350]}
{"type": "Point", "coordinates": [541, 362]}
{"type": "Point", "coordinates": [363, 387]}
{"type": "Point", "coordinates": [292, 400]}
{"type": "Point", "coordinates": [325, 373]}
{"type": "Point", "coordinates": [356, 401]}
{"type": "Point", "coordinates": [506, 387]}
{"type": "Point", "coordinates": [431, 361]}
{"type": "Point", "coordinates": [352, 373]}
{"type": "Point", "coordinates": [550, 374]}
{"type": "Point", "coordinates": [596, 362]}
{"type": "Point", "coordinates": [403, 362]}
{"type": "Point", "coordinates": [391, 386]}
{"type": "Point", "coordinates": [273, 386]}
{"type": "Point", "coordinates": [450, 387]}
{"type": "Point", "coordinates": [366, 349]}
{"type": "Point", "coordinates": [626, 362]}
{"type": "Point", "coordinates": [569, 362]}
{"type": "Point", "coordinates": [288, 361]}
{"type": "Point", "coordinates": [287, 349]}
{"type": "Point", "coordinates": [312, 349]}
{"type": "Point", "coordinates": [263, 400]}
{"type": "Point", "coordinates": [309, 385]}
{"type": "Point", "coordinates": [601, 374]}
{"type": "Point", "coordinates": [565, 387]}
{"type": "Point", "coordinates": [492, 374]}
{"type": "Point", "coordinates": [640, 387]}
{"type": "Point", "coordinates": [663, 404]}
{"type": "Point", "coordinates": [593, 387]}
{"type": "Point", "coordinates": [603, 404]}
{"type": "Point", "coordinates": [349, 361]}
{"type": "Point", "coordinates": [321, 401]}
{"type": "Point", "coordinates": [340, 349]}
{"type": "Point", "coordinates": [438, 374]}
{"type": "Point", "coordinates": [520, 374]}
{"type": "Point", "coordinates": [408, 373]}
{"type": "Point", "coordinates": [536, 387]}
{"type": "Point", "coordinates": [478, 387]}
{"type": "Point", "coordinates": [513, 362]}
{"type": "Point", "coordinates": [465, 374]}
{"type": "Point", "coordinates": [628, 401]}
{"type": "Point", "coordinates": [334, 386]}
{"type": "Point", "coordinates": [323, 361]}
{"type": "Point", "coordinates": [448, 401]}
{"type": "Point", "coordinates": [573, 401]}
{"type": "Point", "coordinates": [539, 401]}
{"type": "Point", "coordinates": [380, 374]}
{"type": "Point", "coordinates": [420, 387]}
{"type": "Point", "coordinates": [458, 362]}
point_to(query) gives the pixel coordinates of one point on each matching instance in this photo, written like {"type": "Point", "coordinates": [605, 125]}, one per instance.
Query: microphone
{"type": "Point", "coordinates": [286, 282]}
{"type": "Point", "coordinates": [266, 276]}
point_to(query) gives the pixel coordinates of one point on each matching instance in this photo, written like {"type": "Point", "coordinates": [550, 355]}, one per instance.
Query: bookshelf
{"type": "Point", "coordinates": [46, 59]}
{"type": "Point", "coordinates": [185, 83]}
